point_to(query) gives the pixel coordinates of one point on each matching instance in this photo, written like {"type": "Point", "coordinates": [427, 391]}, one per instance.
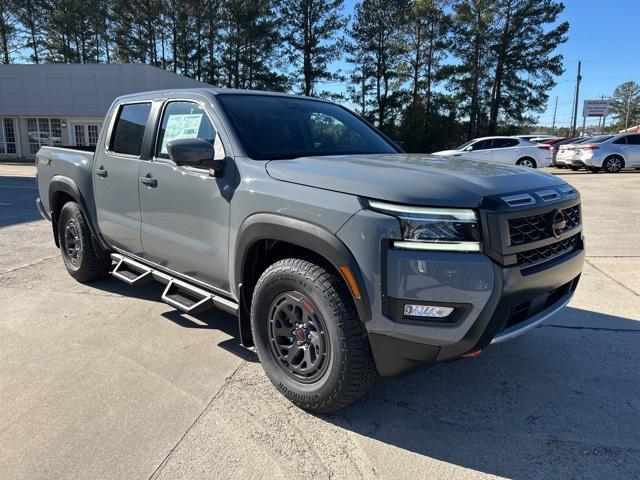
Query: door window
{"type": "Point", "coordinates": [129, 129]}
{"type": "Point", "coordinates": [633, 139]}
{"type": "Point", "coordinates": [504, 142]}
{"type": "Point", "coordinates": [182, 120]}
{"type": "Point", "coordinates": [481, 145]}
{"type": "Point", "coordinates": [621, 141]}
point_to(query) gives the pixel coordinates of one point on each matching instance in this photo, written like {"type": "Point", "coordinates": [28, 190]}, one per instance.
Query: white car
{"type": "Point", "coordinates": [567, 152]}
{"type": "Point", "coordinates": [506, 150]}
{"type": "Point", "coordinates": [609, 153]}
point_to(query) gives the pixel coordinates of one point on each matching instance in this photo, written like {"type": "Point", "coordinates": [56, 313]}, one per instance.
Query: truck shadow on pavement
{"type": "Point", "coordinates": [209, 320]}
{"type": "Point", "coordinates": [560, 402]}
{"type": "Point", "coordinates": [18, 200]}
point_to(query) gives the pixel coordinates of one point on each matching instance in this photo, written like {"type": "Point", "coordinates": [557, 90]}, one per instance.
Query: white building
{"type": "Point", "coordinates": [64, 104]}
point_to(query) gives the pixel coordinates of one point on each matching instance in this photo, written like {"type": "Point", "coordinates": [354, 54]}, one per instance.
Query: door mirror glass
{"type": "Point", "coordinates": [469, 148]}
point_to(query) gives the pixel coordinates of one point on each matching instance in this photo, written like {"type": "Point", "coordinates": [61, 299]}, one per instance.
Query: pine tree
{"type": "Point", "coordinates": [311, 29]}
{"type": "Point", "coordinates": [251, 39]}
{"type": "Point", "coordinates": [524, 63]}
{"type": "Point", "coordinates": [30, 14]}
{"type": "Point", "coordinates": [469, 79]}
{"type": "Point", "coordinates": [377, 41]}
{"type": "Point", "coordinates": [625, 105]}
{"type": "Point", "coordinates": [8, 31]}
{"type": "Point", "coordinates": [427, 33]}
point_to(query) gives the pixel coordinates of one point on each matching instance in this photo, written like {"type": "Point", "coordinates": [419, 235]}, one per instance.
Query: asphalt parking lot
{"type": "Point", "coordinates": [104, 381]}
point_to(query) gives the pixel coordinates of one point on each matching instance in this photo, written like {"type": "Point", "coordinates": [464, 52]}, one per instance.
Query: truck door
{"type": "Point", "coordinates": [116, 171]}
{"type": "Point", "coordinates": [185, 210]}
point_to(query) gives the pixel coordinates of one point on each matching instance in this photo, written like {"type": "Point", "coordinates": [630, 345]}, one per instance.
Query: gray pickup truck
{"type": "Point", "coordinates": [341, 256]}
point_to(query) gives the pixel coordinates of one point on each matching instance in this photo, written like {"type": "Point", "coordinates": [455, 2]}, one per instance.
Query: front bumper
{"type": "Point", "coordinates": [518, 303]}
{"type": "Point", "coordinates": [497, 295]}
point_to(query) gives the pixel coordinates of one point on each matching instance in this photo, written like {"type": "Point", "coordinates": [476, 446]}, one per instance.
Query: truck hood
{"type": "Point", "coordinates": [413, 179]}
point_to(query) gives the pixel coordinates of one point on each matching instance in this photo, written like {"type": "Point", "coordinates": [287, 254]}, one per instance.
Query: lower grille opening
{"type": "Point", "coordinates": [527, 309]}
{"type": "Point", "coordinates": [548, 252]}
{"type": "Point", "coordinates": [518, 314]}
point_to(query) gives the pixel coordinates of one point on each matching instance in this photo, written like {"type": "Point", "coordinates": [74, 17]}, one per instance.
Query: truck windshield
{"type": "Point", "coordinates": [273, 127]}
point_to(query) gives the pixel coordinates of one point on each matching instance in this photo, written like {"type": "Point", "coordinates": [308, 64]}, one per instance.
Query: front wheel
{"type": "Point", "coordinates": [527, 162]}
{"type": "Point", "coordinates": [574, 168]}
{"type": "Point", "coordinates": [309, 338]}
{"type": "Point", "coordinates": [81, 258]}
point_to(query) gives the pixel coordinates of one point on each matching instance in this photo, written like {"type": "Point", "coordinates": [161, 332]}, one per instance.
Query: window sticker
{"type": "Point", "coordinates": [181, 126]}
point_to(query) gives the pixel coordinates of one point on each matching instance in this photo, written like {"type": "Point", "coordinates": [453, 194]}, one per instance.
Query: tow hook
{"type": "Point", "coordinates": [472, 354]}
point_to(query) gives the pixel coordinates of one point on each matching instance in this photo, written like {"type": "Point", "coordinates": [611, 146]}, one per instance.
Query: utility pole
{"type": "Point", "coordinates": [626, 117]}
{"type": "Point", "coordinates": [555, 110]}
{"type": "Point", "coordinates": [577, 98]}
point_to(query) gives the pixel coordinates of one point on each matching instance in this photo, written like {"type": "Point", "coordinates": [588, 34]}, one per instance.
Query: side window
{"type": "Point", "coordinates": [129, 129]}
{"type": "Point", "coordinates": [482, 145]}
{"type": "Point", "coordinates": [186, 120]}
{"type": "Point", "coordinates": [504, 142]}
{"type": "Point", "coordinates": [633, 139]}
{"type": "Point", "coordinates": [621, 141]}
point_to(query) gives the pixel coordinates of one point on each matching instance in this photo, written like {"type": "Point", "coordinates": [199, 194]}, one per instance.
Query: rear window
{"type": "Point", "coordinates": [601, 139]}
{"type": "Point", "coordinates": [129, 129]}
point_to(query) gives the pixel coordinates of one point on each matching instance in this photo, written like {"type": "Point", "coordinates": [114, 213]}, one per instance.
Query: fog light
{"type": "Point", "coordinates": [427, 311]}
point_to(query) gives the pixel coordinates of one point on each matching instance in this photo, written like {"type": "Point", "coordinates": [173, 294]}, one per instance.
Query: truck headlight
{"type": "Point", "coordinates": [426, 228]}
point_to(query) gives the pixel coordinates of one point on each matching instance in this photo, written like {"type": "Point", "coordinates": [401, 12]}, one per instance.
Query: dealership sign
{"type": "Point", "coordinates": [595, 108]}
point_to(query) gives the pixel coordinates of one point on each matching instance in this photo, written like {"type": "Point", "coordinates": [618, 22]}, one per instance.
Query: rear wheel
{"type": "Point", "coordinates": [81, 258]}
{"type": "Point", "coordinates": [309, 339]}
{"type": "Point", "coordinates": [613, 164]}
{"type": "Point", "coordinates": [527, 162]}
{"type": "Point", "coordinates": [574, 168]}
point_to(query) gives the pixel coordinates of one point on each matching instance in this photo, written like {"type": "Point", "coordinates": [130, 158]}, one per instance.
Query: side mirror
{"type": "Point", "coordinates": [469, 148]}
{"type": "Point", "coordinates": [195, 152]}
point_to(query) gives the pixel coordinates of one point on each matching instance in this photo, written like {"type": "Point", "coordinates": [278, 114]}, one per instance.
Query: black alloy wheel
{"type": "Point", "coordinates": [298, 337]}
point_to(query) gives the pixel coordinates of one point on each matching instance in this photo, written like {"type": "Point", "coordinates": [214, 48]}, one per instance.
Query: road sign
{"type": "Point", "coordinates": [595, 108]}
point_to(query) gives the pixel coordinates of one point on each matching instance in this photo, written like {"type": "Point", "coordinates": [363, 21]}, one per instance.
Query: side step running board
{"type": "Point", "coordinates": [186, 297]}
{"type": "Point", "coordinates": [179, 294]}
{"type": "Point", "coordinates": [133, 273]}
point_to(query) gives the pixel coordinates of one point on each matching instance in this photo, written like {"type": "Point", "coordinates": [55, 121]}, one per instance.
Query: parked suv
{"type": "Point", "coordinates": [341, 256]}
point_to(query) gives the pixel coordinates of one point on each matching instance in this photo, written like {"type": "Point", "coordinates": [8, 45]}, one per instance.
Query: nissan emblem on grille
{"type": "Point", "coordinates": [557, 223]}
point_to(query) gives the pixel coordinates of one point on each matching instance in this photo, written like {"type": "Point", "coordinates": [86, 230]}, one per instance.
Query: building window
{"type": "Point", "coordinates": [43, 131]}
{"type": "Point", "coordinates": [86, 135]}
{"type": "Point", "coordinates": [7, 136]}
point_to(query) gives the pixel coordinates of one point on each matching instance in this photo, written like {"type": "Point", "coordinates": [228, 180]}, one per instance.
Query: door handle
{"type": "Point", "coordinates": [149, 180]}
{"type": "Point", "coordinates": [101, 172]}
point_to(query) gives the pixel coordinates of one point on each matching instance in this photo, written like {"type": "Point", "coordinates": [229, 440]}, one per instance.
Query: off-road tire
{"type": "Point", "coordinates": [350, 368]}
{"type": "Point", "coordinates": [90, 264]}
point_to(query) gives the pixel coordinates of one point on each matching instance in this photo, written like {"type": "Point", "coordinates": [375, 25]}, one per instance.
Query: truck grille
{"type": "Point", "coordinates": [533, 228]}
{"type": "Point", "coordinates": [548, 252]}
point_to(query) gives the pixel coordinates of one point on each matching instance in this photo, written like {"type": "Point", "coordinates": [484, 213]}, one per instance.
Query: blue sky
{"type": "Point", "coordinates": [605, 35]}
